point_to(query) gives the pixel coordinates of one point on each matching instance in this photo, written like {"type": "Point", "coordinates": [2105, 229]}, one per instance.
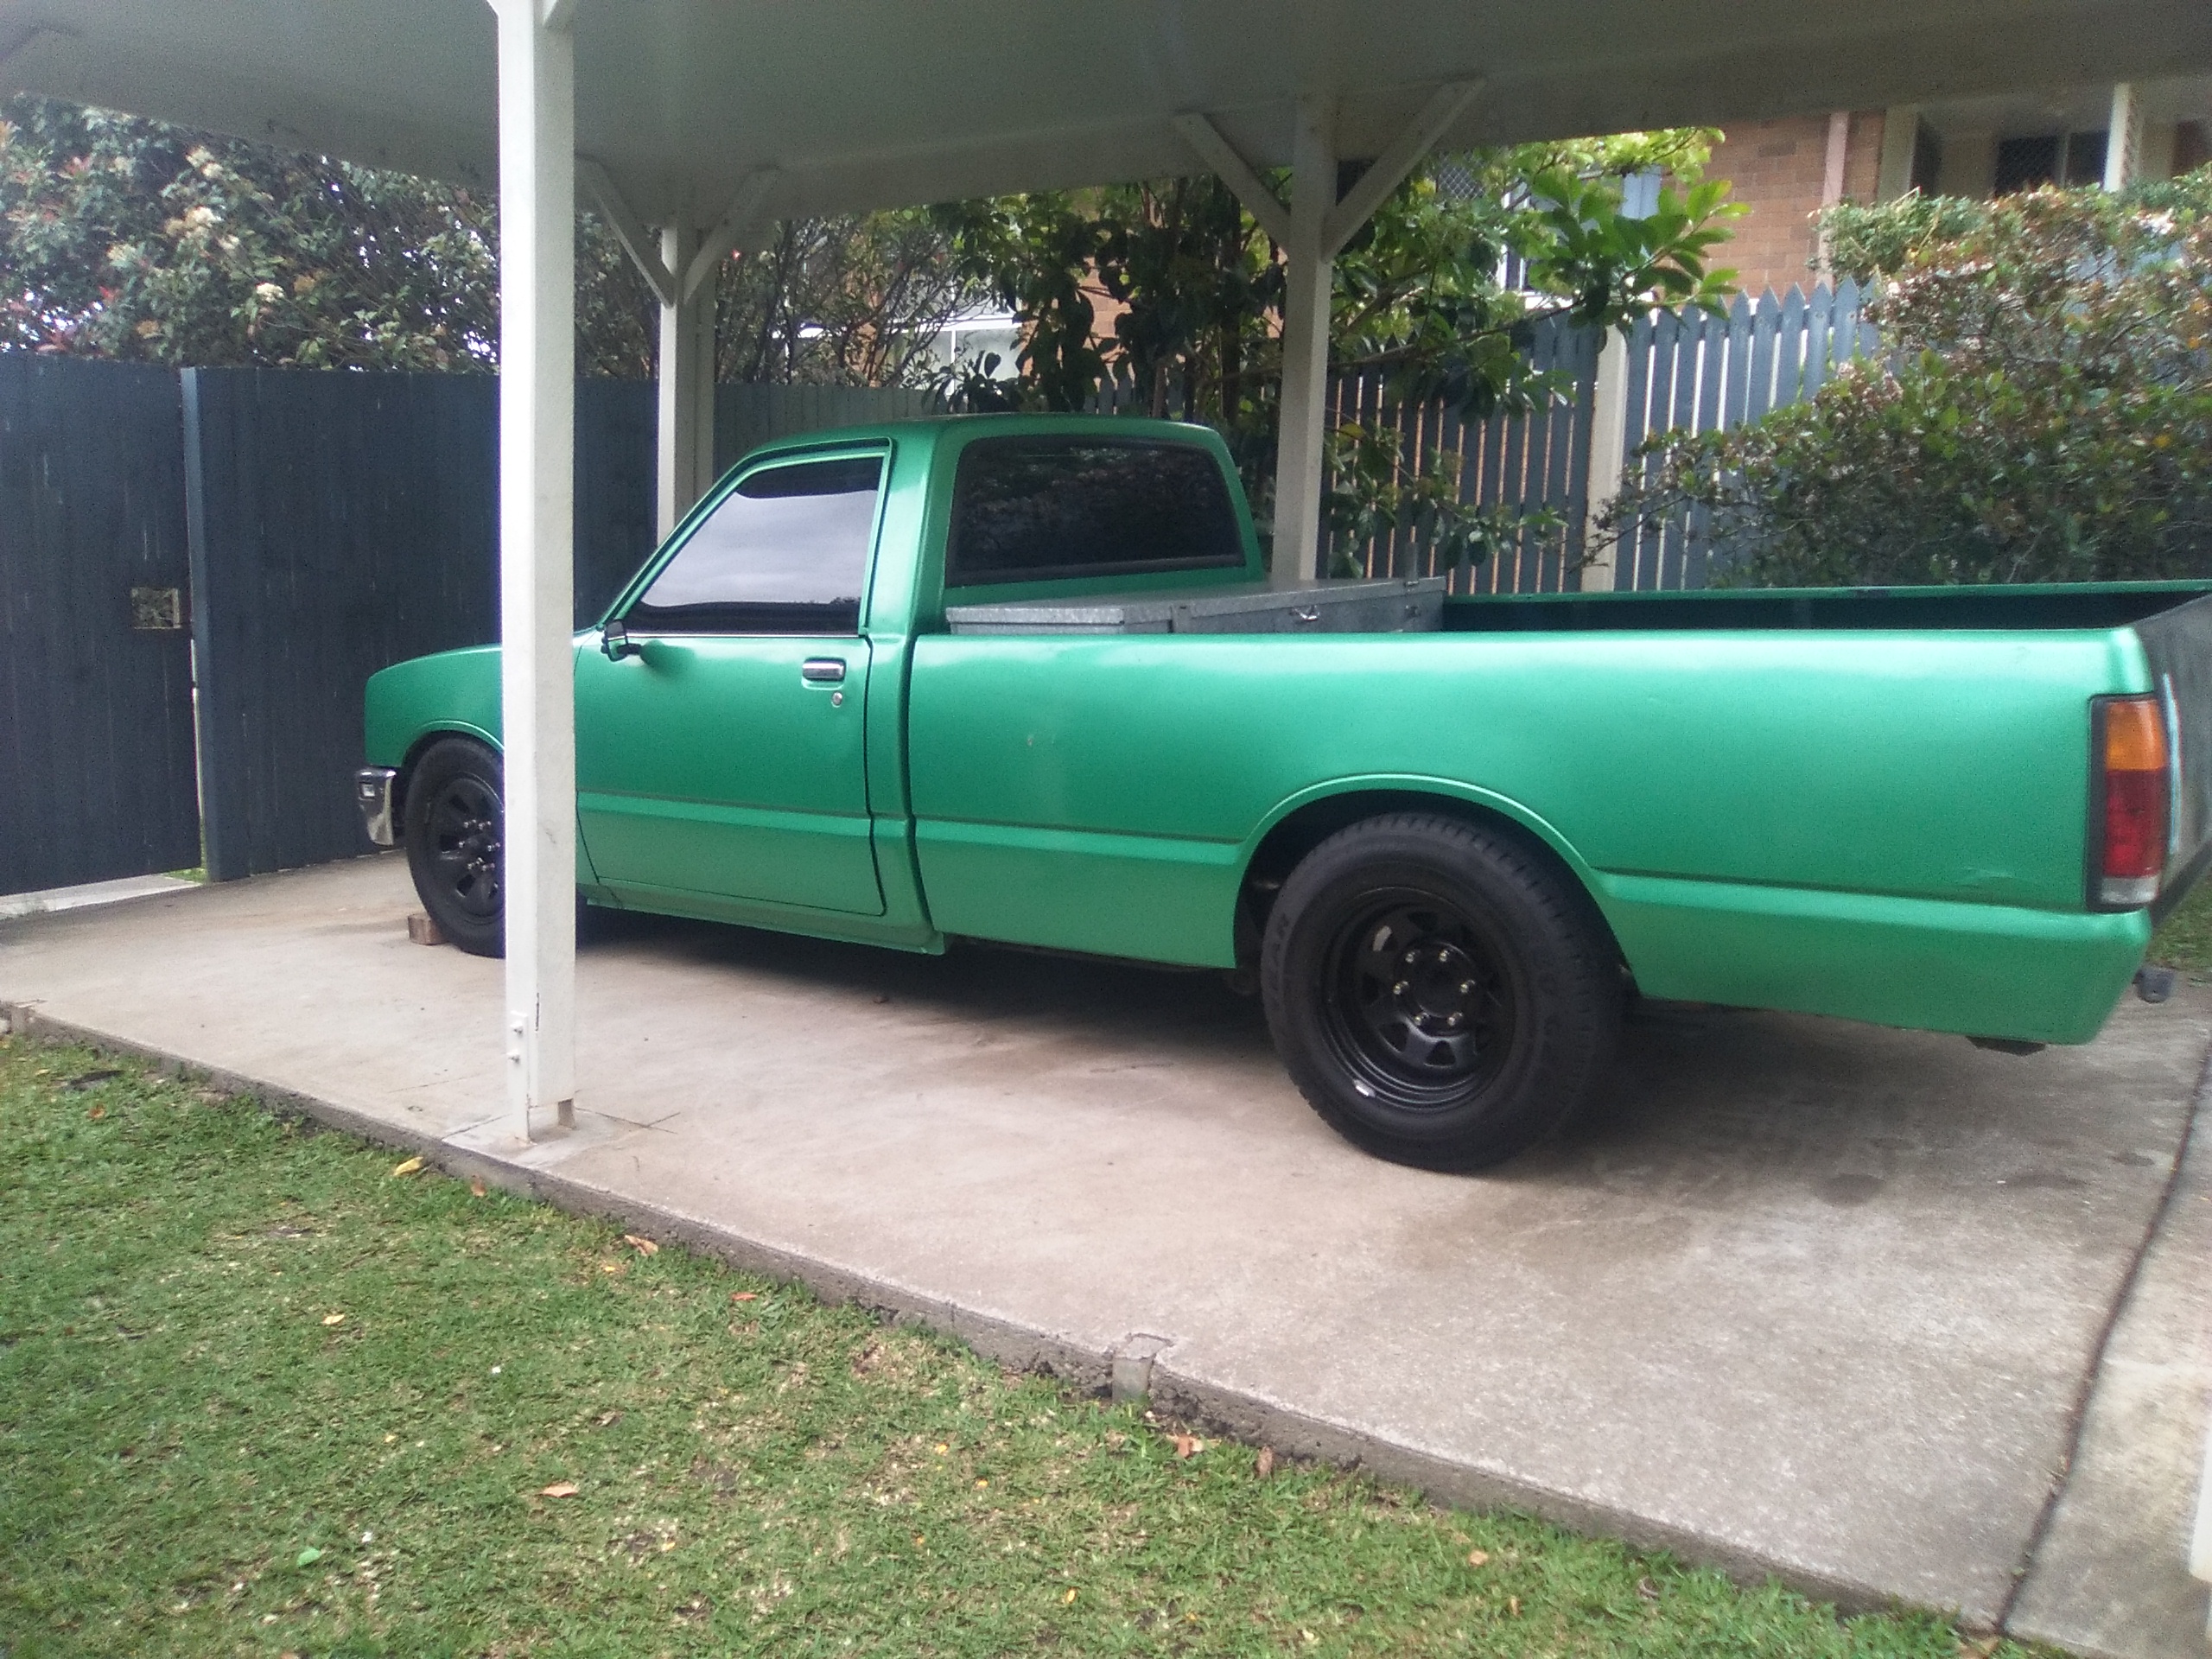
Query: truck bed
{"type": "Point", "coordinates": [2109, 605]}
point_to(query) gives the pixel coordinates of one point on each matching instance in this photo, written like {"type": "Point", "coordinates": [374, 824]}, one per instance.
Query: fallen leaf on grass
{"type": "Point", "coordinates": [643, 1246]}
{"type": "Point", "coordinates": [97, 1113]}
{"type": "Point", "coordinates": [308, 1557]}
{"type": "Point", "coordinates": [1478, 1558]}
{"type": "Point", "coordinates": [408, 1167]}
{"type": "Point", "coordinates": [559, 1489]}
{"type": "Point", "coordinates": [744, 1295]}
{"type": "Point", "coordinates": [476, 1189]}
{"type": "Point", "coordinates": [1264, 1465]}
{"type": "Point", "coordinates": [1513, 1605]}
{"type": "Point", "coordinates": [1646, 1590]}
{"type": "Point", "coordinates": [1188, 1445]}
{"type": "Point", "coordinates": [333, 1319]}
{"type": "Point", "coordinates": [1068, 1600]}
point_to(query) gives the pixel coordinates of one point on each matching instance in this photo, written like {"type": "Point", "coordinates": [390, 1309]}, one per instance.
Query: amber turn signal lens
{"type": "Point", "coordinates": [2135, 735]}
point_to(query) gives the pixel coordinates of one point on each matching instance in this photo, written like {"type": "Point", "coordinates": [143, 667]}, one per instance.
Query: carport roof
{"type": "Point", "coordinates": [857, 103]}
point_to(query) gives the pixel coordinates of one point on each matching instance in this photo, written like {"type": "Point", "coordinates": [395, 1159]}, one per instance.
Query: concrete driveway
{"type": "Point", "coordinates": [1876, 1312]}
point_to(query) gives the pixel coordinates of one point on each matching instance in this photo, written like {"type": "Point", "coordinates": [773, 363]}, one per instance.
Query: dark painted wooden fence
{"type": "Point", "coordinates": [346, 521]}
{"type": "Point", "coordinates": [290, 533]}
{"type": "Point", "coordinates": [96, 740]}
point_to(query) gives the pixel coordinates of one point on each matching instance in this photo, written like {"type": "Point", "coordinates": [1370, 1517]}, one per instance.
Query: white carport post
{"type": "Point", "coordinates": [1309, 283]}
{"type": "Point", "coordinates": [684, 437]}
{"type": "Point", "coordinates": [537, 575]}
{"type": "Point", "coordinates": [679, 267]}
{"type": "Point", "coordinates": [1311, 233]}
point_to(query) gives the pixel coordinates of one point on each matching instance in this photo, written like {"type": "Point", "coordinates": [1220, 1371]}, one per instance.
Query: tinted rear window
{"type": "Point", "coordinates": [1038, 509]}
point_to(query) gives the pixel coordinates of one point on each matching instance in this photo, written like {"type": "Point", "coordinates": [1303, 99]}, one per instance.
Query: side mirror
{"type": "Point", "coordinates": [614, 640]}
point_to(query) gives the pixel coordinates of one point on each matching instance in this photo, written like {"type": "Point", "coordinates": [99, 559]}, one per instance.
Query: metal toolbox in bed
{"type": "Point", "coordinates": [1398, 605]}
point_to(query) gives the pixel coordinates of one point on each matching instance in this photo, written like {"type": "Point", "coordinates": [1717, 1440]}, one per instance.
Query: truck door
{"type": "Point", "coordinates": [719, 736]}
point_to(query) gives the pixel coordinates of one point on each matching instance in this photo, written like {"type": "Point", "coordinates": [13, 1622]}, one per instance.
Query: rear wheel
{"type": "Point", "coordinates": [1437, 991]}
{"type": "Point", "coordinates": [456, 843]}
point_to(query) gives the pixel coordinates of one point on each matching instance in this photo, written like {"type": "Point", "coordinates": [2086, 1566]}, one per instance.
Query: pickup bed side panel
{"type": "Point", "coordinates": [1882, 826]}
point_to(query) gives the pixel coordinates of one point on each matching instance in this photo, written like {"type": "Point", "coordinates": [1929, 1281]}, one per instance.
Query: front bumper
{"type": "Point", "coordinates": [373, 787]}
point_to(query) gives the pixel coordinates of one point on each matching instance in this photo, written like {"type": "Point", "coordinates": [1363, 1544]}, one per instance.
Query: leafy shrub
{"type": "Point", "coordinates": [2040, 410]}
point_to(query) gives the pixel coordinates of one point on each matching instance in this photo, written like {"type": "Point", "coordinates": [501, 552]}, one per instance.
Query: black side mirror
{"type": "Point", "coordinates": [614, 640]}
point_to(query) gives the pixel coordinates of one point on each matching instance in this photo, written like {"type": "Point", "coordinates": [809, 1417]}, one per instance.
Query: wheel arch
{"type": "Point", "coordinates": [1299, 825]}
{"type": "Point", "coordinates": [421, 745]}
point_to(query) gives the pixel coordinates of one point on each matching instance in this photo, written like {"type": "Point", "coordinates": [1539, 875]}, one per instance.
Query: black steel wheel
{"type": "Point", "coordinates": [1418, 1002]}
{"type": "Point", "coordinates": [455, 830]}
{"type": "Point", "coordinates": [1437, 991]}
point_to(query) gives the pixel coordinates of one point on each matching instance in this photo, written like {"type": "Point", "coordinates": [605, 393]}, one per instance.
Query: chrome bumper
{"type": "Point", "coordinates": [373, 794]}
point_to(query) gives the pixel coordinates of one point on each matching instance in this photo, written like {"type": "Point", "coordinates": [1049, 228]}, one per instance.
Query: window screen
{"type": "Point", "coordinates": [1037, 509]}
{"type": "Point", "coordinates": [785, 552]}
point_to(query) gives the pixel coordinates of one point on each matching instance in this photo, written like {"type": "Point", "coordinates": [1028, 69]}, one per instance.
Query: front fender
{"type": "Point", "coordinates": [453, 692]}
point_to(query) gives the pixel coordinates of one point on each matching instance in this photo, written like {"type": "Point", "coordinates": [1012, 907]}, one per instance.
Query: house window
{"type": "Point", "coordinates": [2067, 158]}
{"type": "Point", "coordinates": [1927, 159]}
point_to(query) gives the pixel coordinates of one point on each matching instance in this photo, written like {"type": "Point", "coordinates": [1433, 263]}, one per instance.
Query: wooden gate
{"type": "Point", "coordinates": [96, 738]}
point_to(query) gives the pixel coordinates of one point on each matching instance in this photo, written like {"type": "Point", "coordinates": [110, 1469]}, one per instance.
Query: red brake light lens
{"type": "Point", "coordinates": [2131, 735]}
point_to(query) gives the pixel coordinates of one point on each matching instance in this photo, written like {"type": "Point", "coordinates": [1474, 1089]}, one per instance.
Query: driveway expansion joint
{"type": "Point", "coordinates": [2077, 1417]}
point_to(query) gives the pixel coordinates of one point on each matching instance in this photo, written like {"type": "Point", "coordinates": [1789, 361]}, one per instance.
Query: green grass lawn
{"type": "Point", "coordinates": [260, 1395]}
{"type": "Point", "coordinates": [2184, 940]}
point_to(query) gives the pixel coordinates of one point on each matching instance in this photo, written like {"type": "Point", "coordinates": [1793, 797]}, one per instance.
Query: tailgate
{"type": "Point", "coordinates": [2177, 645]}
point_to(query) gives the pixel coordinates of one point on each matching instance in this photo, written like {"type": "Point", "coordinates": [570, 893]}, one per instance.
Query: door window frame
{"type": "Point", "coordinates": [710, 504]}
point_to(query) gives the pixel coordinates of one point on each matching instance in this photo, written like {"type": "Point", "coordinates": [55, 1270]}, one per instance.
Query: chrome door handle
{"type": "Point", "coordinates": [821, 671]}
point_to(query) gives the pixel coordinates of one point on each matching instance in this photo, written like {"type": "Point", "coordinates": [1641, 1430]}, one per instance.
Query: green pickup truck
{"type": "Point", "coordinates": [1019, 679]}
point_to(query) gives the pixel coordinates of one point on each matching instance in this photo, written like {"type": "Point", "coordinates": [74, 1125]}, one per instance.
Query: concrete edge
{"type": "Point", "coordinates": [1232, 1413]}
{"type": "Point", "coordinates": [19, 907]}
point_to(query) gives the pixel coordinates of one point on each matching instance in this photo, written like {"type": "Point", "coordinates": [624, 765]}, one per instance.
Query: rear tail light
{"type": "Point", "coordinates": [2130, 811]}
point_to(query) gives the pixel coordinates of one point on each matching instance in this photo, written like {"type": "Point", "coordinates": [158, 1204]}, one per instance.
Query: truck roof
{"type": "Point", "coordinates": [928, 428]}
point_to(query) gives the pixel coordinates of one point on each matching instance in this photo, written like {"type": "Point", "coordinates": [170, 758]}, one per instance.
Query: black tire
{"type": "Point", "coordinates": [456, 825]}
{"type": "Point", "coordinates": [1437, 992]}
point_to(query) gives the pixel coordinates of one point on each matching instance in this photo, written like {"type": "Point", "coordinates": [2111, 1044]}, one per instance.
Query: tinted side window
{"type": "Point", "coordinates": [1035, 509]}
{"type": "Point", "coordinates": [785, 552]}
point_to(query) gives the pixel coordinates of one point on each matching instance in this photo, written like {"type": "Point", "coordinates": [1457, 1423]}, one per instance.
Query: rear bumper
{"type": "Point", "coordinates": [372, 793]}
{"type": "Point", "coordinates": [1985, 970]}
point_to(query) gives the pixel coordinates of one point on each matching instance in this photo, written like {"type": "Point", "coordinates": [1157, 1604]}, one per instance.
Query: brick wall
{"type": "Point", "coordinates": [1777, 170]}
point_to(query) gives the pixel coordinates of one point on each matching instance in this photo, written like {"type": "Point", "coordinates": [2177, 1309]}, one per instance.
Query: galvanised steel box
{"type": "Point", "coordinates": [1396, 605]}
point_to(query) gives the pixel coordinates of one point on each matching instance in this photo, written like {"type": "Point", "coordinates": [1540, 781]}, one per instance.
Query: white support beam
{"type": "Point", "coordinates": [1399, 157]}
{"type": "Point", "coordinates": [1318, 225]}
{"type": "Point", "coordinates": [2123, 137]}
{"type": "Point", "coordinates": [1900, 139]}
{"type": "Point", "coordinates": [1256, 195]}
{"type": "Point", "coordinates": [741, 220]}
{"type": "Point", "coordinates": [684, 435]}
{"type": "Point", "coordinates": [537, 334]}
{"type": "Point", "coordinates": [558, 14]}
{"type": "Point", "coordinates": [1608, 457]}
{"type": "Point", "coordinates": [637, 241]}
{"type": "Point", "coordinates": [1310, 283]}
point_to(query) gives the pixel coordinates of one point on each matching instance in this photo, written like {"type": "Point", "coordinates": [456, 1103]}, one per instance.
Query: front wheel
{"type": "Point", "coordinates": [456, 824]}
{"type": "Point", "coordinates": [1439, 994]}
